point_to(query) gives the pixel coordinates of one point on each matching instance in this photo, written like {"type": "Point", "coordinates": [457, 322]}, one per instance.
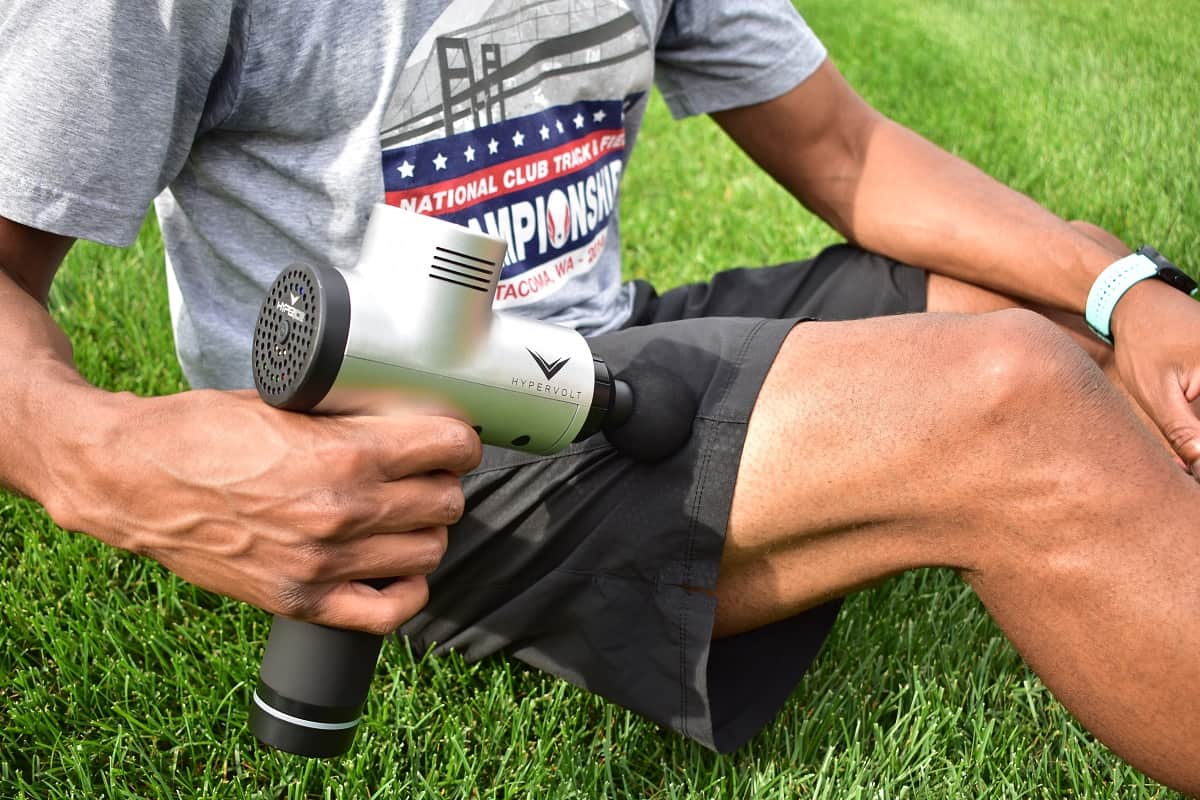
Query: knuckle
{"type": "Point", "coordinates": [460, 445]}
{"type": "Point", "coordinates": [381, 627]}
{"type": "Point", "coordinates": [336, 512]}
{"type": "Point", "coordinates": [312, 564]}
{"type": "Point", "coordinates": [429, 554]}
{"type": "Point", "coordinates": [64, 514]}
{"type": "Point", "coordinates": [295, 600]}
{"type": "Point", "coordinates": [326, 502]}
{"type": "Point", "coordinates": [350, 460]}
{"type": "Point", "coordinates": [401, 606]}
{"type": "Point", "coordinates": [415, 597]}
{"type": "Point", "coordinates": [453, 504]}
{"type": "Point", "coordinates": [1183, 437]}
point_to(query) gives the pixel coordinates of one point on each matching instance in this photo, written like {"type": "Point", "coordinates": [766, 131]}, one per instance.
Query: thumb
{"type": "Point", "coordinates": [1181, 428]}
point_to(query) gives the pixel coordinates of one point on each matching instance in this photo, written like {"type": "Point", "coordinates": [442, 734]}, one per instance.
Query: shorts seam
{"type": "Point", "coordinates": [694, 517]}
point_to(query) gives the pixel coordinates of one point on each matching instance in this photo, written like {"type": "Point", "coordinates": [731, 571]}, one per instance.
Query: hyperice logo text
{"type": "Point", "coordinates": [291, 310]}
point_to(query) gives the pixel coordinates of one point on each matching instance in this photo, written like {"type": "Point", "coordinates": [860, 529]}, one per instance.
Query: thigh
{"type": "Point", "coordinates": [881, 445]}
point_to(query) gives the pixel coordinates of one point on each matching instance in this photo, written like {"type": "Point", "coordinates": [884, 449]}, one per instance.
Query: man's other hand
{"type": "Point", "coordinates": [1156, 329]}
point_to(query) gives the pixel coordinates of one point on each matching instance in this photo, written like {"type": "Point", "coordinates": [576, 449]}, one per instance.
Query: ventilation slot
{"type": "Point", "coordinates": [462, 269]}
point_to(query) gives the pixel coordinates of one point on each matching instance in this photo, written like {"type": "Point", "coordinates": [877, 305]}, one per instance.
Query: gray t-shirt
{"type": "Point", "coordinates": [264, 131]}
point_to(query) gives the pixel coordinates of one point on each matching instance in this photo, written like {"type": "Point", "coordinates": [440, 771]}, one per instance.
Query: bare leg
{"type": "Point", "coordinates": [949, 295]}
{"type": "Point", "coordinates": [993, 445]}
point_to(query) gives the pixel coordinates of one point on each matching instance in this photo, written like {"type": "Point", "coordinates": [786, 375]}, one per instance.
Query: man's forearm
{"type": "Point", "coordinates": [892, 192]}
{"type": "Point", "coordinates": [43, 399]}
{"type": "Point", "coordinates": [919, 204]}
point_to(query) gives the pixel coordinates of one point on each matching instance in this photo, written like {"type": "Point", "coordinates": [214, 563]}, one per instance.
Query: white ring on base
{"type": "Point", "coordinates": [305, 723]}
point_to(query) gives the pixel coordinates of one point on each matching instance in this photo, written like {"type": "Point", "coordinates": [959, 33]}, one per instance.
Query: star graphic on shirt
{"type": "Point", "coordinates": [545, 132]}
{"type": "Point", "coordinates": [406, 169]}
{"type": "Point", "coordinates": [493, 146]}
{"type": "Point", "coordinates": [440, 161]}
{"type": "Point", "coordinates": [518, 139]}
{"type": "Point", "coordinates": [558, 124]}
{"type": "Point", "coordinates": [598, 116]}
{"type": "Point", "coordinates": [578, 120]}
{"type": "Point", "coordinates": [469, 153]}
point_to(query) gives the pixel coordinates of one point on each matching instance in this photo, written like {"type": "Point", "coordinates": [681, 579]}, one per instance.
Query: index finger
{"type": "Point", "coordinates": [418, 443]}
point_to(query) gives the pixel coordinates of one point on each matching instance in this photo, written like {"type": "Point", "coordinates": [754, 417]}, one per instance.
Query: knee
{"type": "Point", "coordinates": [1025, 364]}
{"type": "Point", "coordinates": [1041, 400]}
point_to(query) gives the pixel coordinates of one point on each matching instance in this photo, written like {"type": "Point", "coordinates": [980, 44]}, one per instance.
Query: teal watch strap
{"type": "Point", "coordinates": [1111, 286]}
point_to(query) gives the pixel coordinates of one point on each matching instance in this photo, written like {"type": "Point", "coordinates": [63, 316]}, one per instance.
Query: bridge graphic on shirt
{"type": "Point", "coordinates": [472, 71]}
{"type": "Point", "coordinates": [487, 128]}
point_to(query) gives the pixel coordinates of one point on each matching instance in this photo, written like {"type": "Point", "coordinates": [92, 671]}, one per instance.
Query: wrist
{"type": "Point", "coordinates": [1138, 307]}
{"type": "Point", "coordinates": [1123, 276]}
{"type": "Point", "coordinates": [1094, 257]}
{"type": "Point", "coordinates": [60, 422]}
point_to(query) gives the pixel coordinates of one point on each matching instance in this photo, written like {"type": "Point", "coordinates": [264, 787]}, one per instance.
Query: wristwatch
{"type": "Point", "coordinates": [1119, 277]}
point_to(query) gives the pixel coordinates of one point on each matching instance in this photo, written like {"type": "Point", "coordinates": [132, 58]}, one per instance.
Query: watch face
{"type": "Point", "coordinates": [1178, 279]}
{"type": "Point", "coordinates": [1168, 272]}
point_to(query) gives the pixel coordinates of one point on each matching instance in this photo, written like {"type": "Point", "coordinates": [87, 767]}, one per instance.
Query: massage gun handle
{"type": "Point", "coordinates": [312, 687]}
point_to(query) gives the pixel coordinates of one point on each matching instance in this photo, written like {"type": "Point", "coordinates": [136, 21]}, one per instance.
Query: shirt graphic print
{"type": "Point", "coordinates": [509, 118]}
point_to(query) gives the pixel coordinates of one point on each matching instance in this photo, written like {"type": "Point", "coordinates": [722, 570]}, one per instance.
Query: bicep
{"type": "Point", "coordinates": [30, 257]}
{"type": "Point", "coordinates": [813, 140]}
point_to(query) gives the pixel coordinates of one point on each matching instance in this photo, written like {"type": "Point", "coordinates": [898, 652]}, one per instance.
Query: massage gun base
{"type": "Point", "coordinates": [301, 741]}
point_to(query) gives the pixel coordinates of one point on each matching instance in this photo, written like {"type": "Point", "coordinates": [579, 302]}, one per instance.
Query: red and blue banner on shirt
{"type": "Point", "coordinates": [545, 182]}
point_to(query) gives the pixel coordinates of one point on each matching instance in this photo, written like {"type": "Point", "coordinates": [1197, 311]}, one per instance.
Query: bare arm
{"type": "Point", "coordinates": [283, 510]}
{"type": "Point", "coordinates": [893, 192]}
{"type": "Point", "coordinates": [38, 380]}
{"type": "Point", "coordinates": [889, 190]}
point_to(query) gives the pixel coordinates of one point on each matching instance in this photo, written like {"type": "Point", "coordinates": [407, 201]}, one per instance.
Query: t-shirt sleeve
{"type": "Point", "coordinates": [714, 55]}
{"type": "Point", "coordinates": [99, 104]}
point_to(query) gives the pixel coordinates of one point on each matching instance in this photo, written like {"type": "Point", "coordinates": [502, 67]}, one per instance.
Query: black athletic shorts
{"type": "Point", "coordinates": [585, 563]}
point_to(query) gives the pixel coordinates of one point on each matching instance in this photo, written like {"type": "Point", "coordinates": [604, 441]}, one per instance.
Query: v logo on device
{"type": "Point", "coordinates": [549, 368]}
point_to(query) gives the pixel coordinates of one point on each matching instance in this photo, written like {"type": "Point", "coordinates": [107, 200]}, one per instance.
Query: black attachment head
{"type": "Point", "coordinates": [654, 409]}
{"type": "Point", "coordinates": [300, 336]}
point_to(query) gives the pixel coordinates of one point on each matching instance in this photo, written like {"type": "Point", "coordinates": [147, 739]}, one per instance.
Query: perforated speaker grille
{"type": "Point", "coordinates": [300, 336]}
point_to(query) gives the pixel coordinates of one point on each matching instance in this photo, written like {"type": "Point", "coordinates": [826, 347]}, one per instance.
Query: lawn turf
{"type": "Point", "coordinates": [119, 680]}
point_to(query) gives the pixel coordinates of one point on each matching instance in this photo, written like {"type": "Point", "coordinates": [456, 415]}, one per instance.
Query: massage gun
{"type": "Point", "coordinates": [415, 316]}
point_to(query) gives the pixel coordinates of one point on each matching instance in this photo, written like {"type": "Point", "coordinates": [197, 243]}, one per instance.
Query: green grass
{"type": "Point", "coordinates": [118, 680]}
